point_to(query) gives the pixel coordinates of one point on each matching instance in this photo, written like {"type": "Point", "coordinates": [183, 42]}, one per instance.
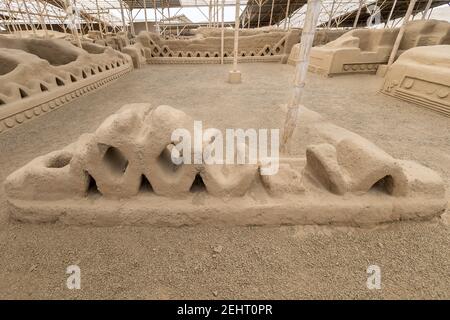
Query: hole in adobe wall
{"type": "Point", "coordinates": [59, 82]}
{"type": "Point", "coordinates": [92, 189]}
{"type": "Point", "coordinates": [2, 102]}
{"type": "Point", "coordinates": [180, 55]}
{"type": "Point", "coordinates": [216, 55]}
{"type": "Point", "coordinates": [92, 71]}
{"type": "Point", "coordinates": [23, 93]}
{"type": "Point", "coordinates": [198, 185]}
{"type": "Point", "coordinates": [83, 74]}
{"type": "Point", "coordinates": [198, 55]}
{"type": "Point", "coordinates": [60, 161]}
{"type": "Point", "coordinates": [165, 160]}
{"type": "Point", "coordinates": [107, 67]}
{"type": "Point", "coordinates": [7, 65]}
{"type": "Point", "coordinates": [118, 64]}
{"type": "Point", "coordinates": [145, 186]}
{"type": "Point", "coordinates": [72, 78]}
{"type": "Point", "coordinates": [189, 55]}
{"type": "Point", "coordinates": [384, 185]}
{"type": "Point", "coordinates": [115, 160]}
{"type": "Point", "coordinates": [100, 69]}
{"type": "Point", "coordinates": [207, 55]}
{"type": "Point", "coordinates": [43, 87]}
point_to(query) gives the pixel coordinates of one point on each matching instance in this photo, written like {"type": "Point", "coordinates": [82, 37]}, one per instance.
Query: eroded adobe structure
{"type": "Point", "coordinates": [422, 76]}
{"type": "Point", "coordinates": [363, 50]}
{"type": "Point", "coordinates": [117, 41]}
{"type": "Point", "coordinates": [254, 46]}
{"type": "Point", "coordinates": [122, 174]}
{"type": "Point", "coordinates": [321, 37]}
{"type": "Point", "coordinates": [38, 76]}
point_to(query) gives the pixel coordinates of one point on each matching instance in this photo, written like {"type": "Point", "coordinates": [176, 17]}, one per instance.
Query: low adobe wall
{"type": "Point", "coordinates": [422, 76]}
{"type": "Point", "coordinates": [38, 76]}
{"type": "Point", "coordinates": [260, 46]}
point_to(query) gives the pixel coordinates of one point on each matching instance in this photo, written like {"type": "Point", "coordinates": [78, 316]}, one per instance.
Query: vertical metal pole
{"type": "Point", "coordinates": [390, 13]}
{"type": "Point", "coordinates": [209, 14]}
{"type": "Point", "coordinates": [236, 35]}
{"type": "Point", "coordinates": [71, 16]}
{"type": "Point", "coordinates": [259, 11]}
{"type": "Point", "coordinates": [301, 70]}
{"type": "Point", "coordinates": [156, 16]}
{"type": "Point", "coordinates": [29, 17]}
{"type": "Point", "coordinates": [271, 13]}
{"type": "Point", "coordinates": [355, 23]}
{"type": "Point", "coordinates": [43, 26]}
{"type": "Point", "coordinates": [424, 14]}
{"type": "Point", "coordinates": [222, 36]}
{"type": "Point", "coordinates": [287, 14]}
{"type": "Point", "coordinates": [401, 32]}
{"type": "Point", "coordinates": [331, 15]}
{"type": "Point", "coordinates": [124, 24]}
{"type": "Point", "coordinates": [99, 20]}
{"type": "Point", "coordinates": [145, 15]}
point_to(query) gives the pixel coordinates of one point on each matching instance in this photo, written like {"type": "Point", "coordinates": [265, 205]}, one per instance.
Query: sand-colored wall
{"type": "Point", "coordinates": [421, 75]}
{"type": "Point", "coordinates": [123, 174]}
{"type": "Point", "coordinates": [363, 50]}
{"type": "Point", "coordinates": [38, 76]}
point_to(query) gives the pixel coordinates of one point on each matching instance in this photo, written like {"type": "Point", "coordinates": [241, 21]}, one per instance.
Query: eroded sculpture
{"type": "Point", "coordinates": [123, 174]}
{"type": "Point", "coordinates": [422, 76]}
{"type": "Point", "coordinates": [254, 46]}
{"type": "Point", "coordinates": [363, 50]}
{"type": "Point", "coordinates": [37, 76]}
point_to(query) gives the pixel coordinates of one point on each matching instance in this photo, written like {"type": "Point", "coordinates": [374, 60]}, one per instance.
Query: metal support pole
{"type": "Point", "coordinates": [234, 75]}
{"type": "Point", "coordinates": [355, 23]}
{"type": "Point", "coordinates": [124, 24]}
{"type": "Point", "coordinates": [156, 16]}
{"type": "Point", "coordinates": [43, 26]}
{"type": "Point", "coordinates": [222, 36]}
{"type": "Point", "coordinates": [424, 14]}
{"type": "Point", "coordinates": [209, 14]}
{"type": "Point", "coordinates": [236, 35]}
{"type": "Point", "coordinates": [331, 15]}
{"type": "Point", "coordinates": [301, 70]}
{"type": "Point", "coordinates": [259, 11]}
{"type": "Point", "coordinates": [401, 32]}
{"type": "Point", "coordinates": [390, 13]}
{"type": "Point", "coordinates": [287, 14]}
{"type": "Point", "coordinates": [71, 16]}
{"type": "Point", "coordinates": [271, 13]}
{"type": "Point", "coordinates": [29, 17]}
{"type": "Point", "coordinates": [145, 15]}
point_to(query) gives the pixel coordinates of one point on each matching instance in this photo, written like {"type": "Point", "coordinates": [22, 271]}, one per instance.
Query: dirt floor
{"type": "Point", "coordinates": [236, 262]}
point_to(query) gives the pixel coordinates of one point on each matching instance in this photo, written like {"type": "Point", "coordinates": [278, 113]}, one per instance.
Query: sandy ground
{"type": "Point", "coordinates": [236, 262]}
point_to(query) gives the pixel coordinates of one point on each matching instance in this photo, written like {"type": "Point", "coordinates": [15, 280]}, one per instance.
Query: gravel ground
{"type": "Point", "coordinates": [237, 262]}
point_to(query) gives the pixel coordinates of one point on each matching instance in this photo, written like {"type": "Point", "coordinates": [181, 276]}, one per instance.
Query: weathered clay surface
{"type": "Point", "coordinates": [37, 76]}
{"type": "Point", "coordinates": [321, 37]}
{"type": "Point", "coordinates": [123, 174]}
{"type": "Point", "coordinates": [363, 50]}
{"type": "Point", "coordinates": [256, 46]}
{"type": "Point", "coordinates": [422, 75]}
